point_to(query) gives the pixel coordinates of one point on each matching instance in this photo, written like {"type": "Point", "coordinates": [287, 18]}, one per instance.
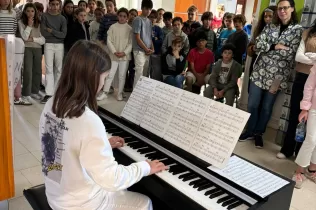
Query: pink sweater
{"type": "Point", "coordinates": [309, 98]}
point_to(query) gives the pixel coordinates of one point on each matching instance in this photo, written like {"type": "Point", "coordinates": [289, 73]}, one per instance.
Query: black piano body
{"type": "Point", "coordinates": [168, 197]}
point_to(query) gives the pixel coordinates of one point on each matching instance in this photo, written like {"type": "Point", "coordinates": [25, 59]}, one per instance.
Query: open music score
{"type": "Point", "coordinates": [251, 177]}
{"type": "Point", "coordinates": [205, 128]}
{"type": "Point", "coordinates": [138, 101]}
{"type": "Point", "coordinates": [160, 108]}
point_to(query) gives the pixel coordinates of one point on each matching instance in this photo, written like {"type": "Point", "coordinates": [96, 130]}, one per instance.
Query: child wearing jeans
{"type": "Point", "coordinates": [54, 29]}
{"type": "Point", "coordinates": [306, 158]}
{"type": "Point", "coordinates": [173, 63]}
{"type": "Point", "coordinates": [95, 24]}
{"type": "Point", "coordinates": [29, 27]}
{"type": "Point", "coordinates": [120, 47]}
{"type": "Point", "coordinates": [142, 42]}
{"type": "Point", "coordinates": [200, 60]}
{"type": "Point", "coordinates": [223, 80]}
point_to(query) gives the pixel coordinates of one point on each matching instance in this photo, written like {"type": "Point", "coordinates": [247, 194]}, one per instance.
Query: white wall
{"type": "Point", "coordinates": [249, 10]}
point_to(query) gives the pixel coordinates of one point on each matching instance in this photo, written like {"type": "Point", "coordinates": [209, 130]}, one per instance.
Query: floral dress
{"type": "Point", "coordinates": [275, 64]}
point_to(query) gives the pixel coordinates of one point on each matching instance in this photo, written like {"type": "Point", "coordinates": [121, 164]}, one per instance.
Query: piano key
{"type": "Point", "coordinates": [168, 161]}
{"type": "Point", "coordinates": [214, 190]}
{"type": "Point", "coordinates": [146, 150]}
{"type": "Point", "coordinates": [234, 205]}
{"type": "Point", "coordinates": [129, 140]}
{"type": "Point", "coordinates": [188, 178]}
{"type": "Point", "coordinates": [205, 186]}
{"type": "Point", "coordinates": [179, 172]}
{"type": "Point", "coordinates": [178, 183]}
{"type": "Point", "coordinates": [194, 182]}
{"type": "Point", "coordinates": [201, 183]}
{"type": "Point", "coordinates": [214, 195]}
{"type": "Point", "coordinates": [231, 201]}
{"type": "Point", "coordinates": [228, 197]}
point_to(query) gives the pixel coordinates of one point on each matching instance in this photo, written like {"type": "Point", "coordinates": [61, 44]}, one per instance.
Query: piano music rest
{"type": "Point", "coordinates": [188, 184]}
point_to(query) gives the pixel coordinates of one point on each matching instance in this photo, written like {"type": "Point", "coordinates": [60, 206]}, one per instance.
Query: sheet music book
{"type": "Point", "coordinates": [136, 106]}
{"type": "Point", "coordinates": [205, 128]}
{"type": "Point", "coordinates": [251, 177]}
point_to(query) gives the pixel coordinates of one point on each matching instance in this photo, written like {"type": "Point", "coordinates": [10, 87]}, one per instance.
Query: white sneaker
{"type": "Point", "coordinates": [36, 96]}
{"type": "Point", "coordinates": [280, 155]}
{"type": "Point", "coordinates": [102, 96]}
{"type": "Point", "coordinates": [22, 101]}
{"type": "Point", "coordinates": [120, 97]}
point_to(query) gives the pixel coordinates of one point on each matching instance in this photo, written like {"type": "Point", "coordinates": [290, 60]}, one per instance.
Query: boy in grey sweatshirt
{"type": "Point", "coordinates": [54, 29]}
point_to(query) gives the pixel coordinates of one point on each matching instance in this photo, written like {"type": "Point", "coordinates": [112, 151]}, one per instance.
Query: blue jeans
{"type": "Point", "coordinates": [176, 81]}
{"type": "Point", "coordinates": [260, 106]}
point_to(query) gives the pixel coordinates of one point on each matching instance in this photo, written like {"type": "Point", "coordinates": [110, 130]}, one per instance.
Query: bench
{"type": "Point", "coordinates": [36, 196]}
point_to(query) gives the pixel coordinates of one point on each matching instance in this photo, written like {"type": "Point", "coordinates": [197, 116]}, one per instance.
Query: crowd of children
{"type": "Point", "coordinates": [184, 51]}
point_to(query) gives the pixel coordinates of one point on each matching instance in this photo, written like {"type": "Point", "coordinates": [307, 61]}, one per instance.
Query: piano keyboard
{"type": "Point", "coordinates": [206, 190]}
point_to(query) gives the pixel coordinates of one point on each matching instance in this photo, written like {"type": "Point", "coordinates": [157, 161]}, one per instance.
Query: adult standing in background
{"type": "Point", "coordinates": [305, 58]}
{"type": "Point", "coordinates": [277, 45]}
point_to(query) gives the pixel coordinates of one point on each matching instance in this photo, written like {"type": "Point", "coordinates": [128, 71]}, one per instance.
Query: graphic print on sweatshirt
{"type": "Point", "coordinates": [53, 147]}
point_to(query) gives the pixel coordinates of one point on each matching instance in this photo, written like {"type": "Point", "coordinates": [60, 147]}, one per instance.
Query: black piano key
{"type": "Point", "coordinates": [150, 154]}
{"type": "Point", "coordinates": [209, 192]}
{"type": "Point", "coordinates": [158, 156]}
{"type": "Point", "coordinates": [146, 150]}
{"type": "Point", "coordinates": [117, 133]}
{"type": "Point", "coordinates": [234, 205]}
{"type": "Point", "coordinates": [185, 175]}
{"type": "Point", "coordinates": [228, 197]}
{"type": "Point", "coordinates": [178, 172]}
{"type": "Point", "coordinates": [168, 161]}
{"type": "Point", "coordinates": [139, 146]}
{"type": "Point", "coordinates": [195, 181]}
{"type": "Point", "coordinates": [205, 186]}
{"type": "Point", "coordinates": [127, 140]}
{"type": "Point", "coordinates": [121, 134]}
{"type": "Point", "coordinates": [188, 178]}
{"type": "Point", "coordinates": [201, 183]}
{"type": "Point", "coordinates": [112, 127]}
{"type": "Point", "coordinates": [231, 201]}
{"type": "Point", "coordinates": [214, 195]}
{"type": "Point", "coordinates": [153, 155]}
{"type": "Point", "coordinates": [176, 168]}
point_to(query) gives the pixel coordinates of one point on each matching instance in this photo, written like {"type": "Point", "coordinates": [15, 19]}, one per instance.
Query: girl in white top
{"type": "Point", "coordinates": [119, 43]}
{"type": "Point", "coordinates": [95, 24]}
{"type": "Point", "coordinates": [29, 27]}
{"type": "Point", "coordinates": [79, 168]}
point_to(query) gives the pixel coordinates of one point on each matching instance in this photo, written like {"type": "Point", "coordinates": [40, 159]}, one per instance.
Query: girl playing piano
{"type": "Point", "coordinates": [77, 160]}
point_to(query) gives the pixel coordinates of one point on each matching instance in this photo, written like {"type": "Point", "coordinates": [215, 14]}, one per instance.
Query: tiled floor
{"type": "Point", "coordinates": [27, 156]}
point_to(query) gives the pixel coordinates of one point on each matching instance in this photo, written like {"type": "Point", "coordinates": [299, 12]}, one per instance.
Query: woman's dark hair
{"type": "Point", "coordinates": [154, 13]}
{"type": "Point", "coordinates": [24, 17]}
{"type": "Point", "coordinates": [229, 46]}
{"type": "Point", "coordinates": [82, 1]}
{"type": "Point", "coordinates": [133, 10]}
{"type": "Point", "coordinates": [148, 4]}
{"type": "Point", "coordinates": [177, 19]}
{"type": "Point", "coordinates": [167, 15]}
{"type": "Point", "coordinates": [65, 4]}
{"type": "Point", "coordinates": [294, 19]}
{"type": "Point", "coordinates": [124, 10]}
{"type": "Point", "coordinates": [39, 6]}
{"type": "Point", "coordinates": [261, 24]}
{"type": "Point", "coordinates": [207, 16]}
{"type": "Point", "coordinates": [79, 81]}
{"type": "Point", "coordinates": [100, 4]}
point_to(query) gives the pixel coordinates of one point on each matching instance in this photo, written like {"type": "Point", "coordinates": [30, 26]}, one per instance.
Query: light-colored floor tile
{"type": "Point", "coordinates": [25, 161]}
{"type": "Point", "coordinates": [34, 175]}
{"type": "Point", "coordinates": [19, 149]}
{"type": "Point", "coordinates": [38, 155]}
{"type": "Point", "coordinates": [19, 204]}
{"type": "Point", "coordinates": [304, 199]}
{"type": "Point", "coordinates": [21, 183]}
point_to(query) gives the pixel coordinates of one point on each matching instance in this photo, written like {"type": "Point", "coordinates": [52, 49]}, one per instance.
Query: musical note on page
{"type": "Point", "coordinates": [160, 108]}
{"type": "Point", "coordinates": [186, 119]}
{"type": "Point", "coordinates": [137, 103]}
{"type": "Point", "coordinates": [251, 177]}
{"type": "Point", "coordinates": [218, 133]}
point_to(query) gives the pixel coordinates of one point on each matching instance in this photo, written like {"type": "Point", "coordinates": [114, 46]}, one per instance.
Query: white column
{"type": "Point", "coordinates": [249, 10]}
{"type": "Point", "coordinates": [213, 6]}
{"type": "Point", "coordinates": [168, 5]}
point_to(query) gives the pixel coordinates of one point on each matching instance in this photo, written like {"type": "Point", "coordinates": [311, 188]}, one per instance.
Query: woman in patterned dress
{"type": "Point", "coordinates": [276, 47]}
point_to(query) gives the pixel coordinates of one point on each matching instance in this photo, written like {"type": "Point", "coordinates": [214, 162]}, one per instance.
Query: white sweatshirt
{"type": "Point", "coordinates": [120, 40]}
{"type": "Point", "coordinates": [78, 164]}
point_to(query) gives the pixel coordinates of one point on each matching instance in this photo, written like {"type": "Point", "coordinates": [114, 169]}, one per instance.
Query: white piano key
{"type": "Point", "coordinates": [184, 187]}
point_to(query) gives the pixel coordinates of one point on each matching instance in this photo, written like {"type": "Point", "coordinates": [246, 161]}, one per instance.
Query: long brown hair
{"type": "Point", "coordinates": [261, 23]}
{"type": "Point", "coordinates": [24, 17]}
{"type": "Point", "coordinates": [79, 81]}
